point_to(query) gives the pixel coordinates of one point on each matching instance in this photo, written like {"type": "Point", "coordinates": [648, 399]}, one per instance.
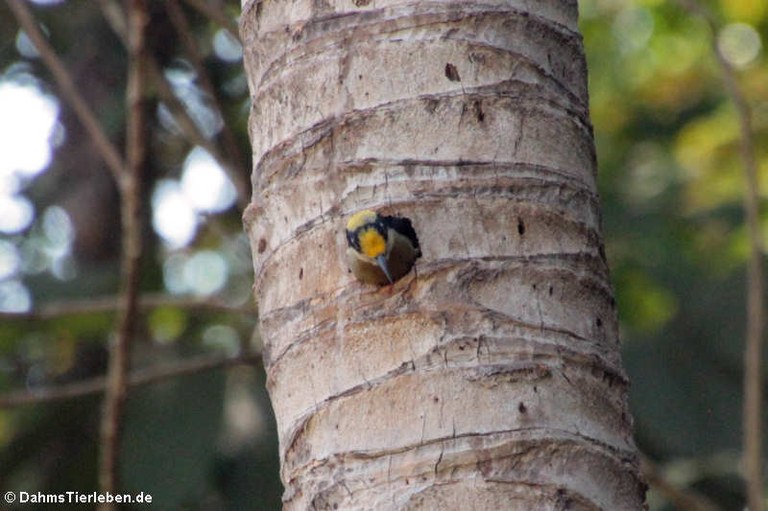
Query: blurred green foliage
{"type": "Point", "coordinates": [671, 181]}
{"type": "Point", "coordinates": [671, 185]}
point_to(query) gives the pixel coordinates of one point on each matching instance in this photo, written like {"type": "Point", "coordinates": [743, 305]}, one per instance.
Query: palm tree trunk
{"type": "Point", "coordinates": [491, 378]}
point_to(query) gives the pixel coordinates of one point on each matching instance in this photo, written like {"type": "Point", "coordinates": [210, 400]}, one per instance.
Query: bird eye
{"type": "Point", "coordinates": [382, 229]}
{"type": "Point", "coordinates": [352, 240]}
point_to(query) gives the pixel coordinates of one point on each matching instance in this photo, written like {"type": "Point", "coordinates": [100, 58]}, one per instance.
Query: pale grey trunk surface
{"type": "Point", "coordinates": [491, 379]}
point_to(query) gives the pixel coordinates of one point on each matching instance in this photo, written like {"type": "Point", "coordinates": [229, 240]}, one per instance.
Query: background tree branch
{"type": "Point", "coordinates": [137, 378]}
{"type": "Point", "coordinates": [131, 214]}
{"type": "Point", "coordinates": [233, 163]}
{"type": "Point", "coordinates": [753, 352]}
{"type": "Point", "coordinates": [215, 12]}
{"type": "Point", "coordinates": [230, 158]}
{"type": "Point", "coordinates": [110, 304]}
{"type": "Point", "coordinates": [69, 90]}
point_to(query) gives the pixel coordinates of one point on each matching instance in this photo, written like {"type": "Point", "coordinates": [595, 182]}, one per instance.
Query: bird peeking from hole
{"type": "Point", "coordinates": [381, 249]}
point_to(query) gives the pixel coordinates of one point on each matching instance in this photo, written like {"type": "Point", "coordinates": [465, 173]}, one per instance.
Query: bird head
{"type": "Point", "coordinates": [368, 237]}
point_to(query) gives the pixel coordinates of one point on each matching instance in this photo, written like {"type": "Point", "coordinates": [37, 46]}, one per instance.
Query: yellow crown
{"type": "Point", "coordinates": [361, 218]}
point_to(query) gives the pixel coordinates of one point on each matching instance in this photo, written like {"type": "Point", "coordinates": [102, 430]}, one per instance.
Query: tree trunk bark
{"type": "Point", "coordinates": [491, 377]}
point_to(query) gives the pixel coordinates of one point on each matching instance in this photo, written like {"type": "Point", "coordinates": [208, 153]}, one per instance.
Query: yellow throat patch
{"type": "Point", "coordinates": [372, 243]}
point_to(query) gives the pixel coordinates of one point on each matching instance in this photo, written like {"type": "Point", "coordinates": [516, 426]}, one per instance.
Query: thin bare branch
{"type": "Point", "coordinates": [231, 165]}
{"type": "Point", "coordinates": [753, 388]}
{"type": "Point", "coordinates": [68, 89]}
{"type": "Point", "coordinates": [111, 304]}
{"type": "Point", "coordinates": [681, 498]}
{"type": "Point", "coordinates": [137, 379]}
{"type": "Point", "coordinates": [237, 172]}
{"type": "Point", "coordinates": [115, 16]}
{"type": "Point", "coordinates": [131, 216]}
{"type": "Point", "coordinates": [215, 12]}
{"type": "Point", "coordinates": [195, 135]}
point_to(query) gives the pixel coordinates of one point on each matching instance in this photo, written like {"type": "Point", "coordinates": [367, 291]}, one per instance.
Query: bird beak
{"type": "Point", "coordinates": [382, 260]}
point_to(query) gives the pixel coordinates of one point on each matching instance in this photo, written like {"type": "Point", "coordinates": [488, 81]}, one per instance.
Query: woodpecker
{"type": "Point", "coordinates": [382, 249]}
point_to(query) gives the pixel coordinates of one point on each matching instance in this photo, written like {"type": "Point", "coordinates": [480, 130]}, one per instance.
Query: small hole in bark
{"type": "Point", "coordinates": [520, 227]}
{"type": "Point", "coordinates": [521, 407]}
{"type": "Point", "coordinates": [436, 399]}
{"type": "Point", "coordinates": [262, 246]}
{"type": "Point", "coordinates": [301, 273]}
{"type": "Point", "coordinates": [550, 290]}
{"type": "Point", "coordinates": [599, 322]}
{"type": "Point", "coordinates": [479, 114]}
{"type": "Point", "coordinates": [452, 73]}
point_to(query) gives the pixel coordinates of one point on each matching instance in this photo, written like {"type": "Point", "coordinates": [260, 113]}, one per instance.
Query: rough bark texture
{"type": "Point", "coordinates": [491, 378]}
